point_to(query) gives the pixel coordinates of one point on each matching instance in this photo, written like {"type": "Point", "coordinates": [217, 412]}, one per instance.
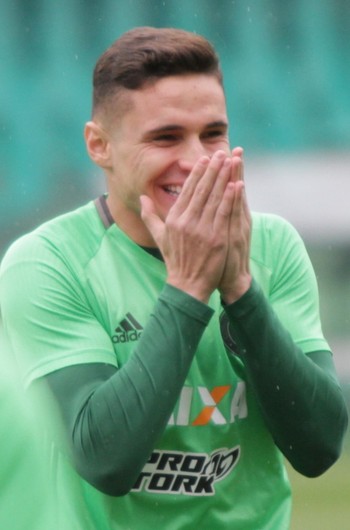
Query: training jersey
{"type": "Point", "coordinates": [87, 291]}
{"type": "Point", "coordinates": [23, 479]}
{"type": "Point", "coordinates": [28, 496]}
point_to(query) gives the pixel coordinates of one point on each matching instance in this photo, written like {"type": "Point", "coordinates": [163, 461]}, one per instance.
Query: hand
{"type": "Point", "coordinates": [194, 237]}
{"type": "Point", "coordinates": [236, 278]}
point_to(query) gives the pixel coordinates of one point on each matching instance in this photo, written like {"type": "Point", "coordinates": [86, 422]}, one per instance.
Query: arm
{"type": "Point", "coordinates": [114, 417]}
{"type": "Point", "coordinates": [299, 395]}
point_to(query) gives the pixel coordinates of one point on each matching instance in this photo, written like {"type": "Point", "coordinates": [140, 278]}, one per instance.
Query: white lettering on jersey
{"type": "Point", "coordinates": [211, 400]}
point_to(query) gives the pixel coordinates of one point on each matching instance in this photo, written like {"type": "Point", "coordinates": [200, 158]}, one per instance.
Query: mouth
{"type": "Point", "coordinates": [173, 190]}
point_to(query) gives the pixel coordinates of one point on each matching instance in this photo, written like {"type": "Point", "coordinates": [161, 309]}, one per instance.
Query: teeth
{"type": "Point", "coordinates": [174, 190]}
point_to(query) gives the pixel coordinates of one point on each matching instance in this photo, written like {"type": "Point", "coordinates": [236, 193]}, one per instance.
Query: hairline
{"type": "Point", "coordinates": [120, 95]}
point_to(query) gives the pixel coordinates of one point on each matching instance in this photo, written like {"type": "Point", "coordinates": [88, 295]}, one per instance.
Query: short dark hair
{"type": "Point", "coordinates": [145, 54]}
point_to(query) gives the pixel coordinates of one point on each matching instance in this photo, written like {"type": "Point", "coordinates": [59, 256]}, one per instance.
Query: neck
{"type": "Point", "coordinates": [130, 223]}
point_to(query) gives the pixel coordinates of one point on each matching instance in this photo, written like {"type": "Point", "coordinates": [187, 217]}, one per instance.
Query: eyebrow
{"type": "Point", "coordinates": [176, 127]}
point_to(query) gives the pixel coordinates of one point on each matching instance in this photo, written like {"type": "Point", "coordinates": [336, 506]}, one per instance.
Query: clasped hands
{"type": "Point", "coordinates": [205, 238]}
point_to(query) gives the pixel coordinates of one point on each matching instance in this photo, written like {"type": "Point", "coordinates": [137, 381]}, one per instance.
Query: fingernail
{"type": "Point", "coordinates": [219, 155]}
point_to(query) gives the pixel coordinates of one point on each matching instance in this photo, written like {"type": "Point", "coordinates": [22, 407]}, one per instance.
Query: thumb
{"type": "Point", "coordinates": [152, 221]}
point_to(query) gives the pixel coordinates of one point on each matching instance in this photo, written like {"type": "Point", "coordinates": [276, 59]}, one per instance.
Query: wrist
{"type": "Point", "coordinates": [198, 292]}
{"type": "Point", "coordinates": [235, 292]}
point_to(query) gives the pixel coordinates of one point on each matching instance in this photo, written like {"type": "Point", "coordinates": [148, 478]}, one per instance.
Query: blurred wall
{"type": "Point", "coordinates": [287, 83]}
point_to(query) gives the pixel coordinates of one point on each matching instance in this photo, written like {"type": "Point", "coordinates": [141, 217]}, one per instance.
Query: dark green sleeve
{"type": "Point", "coordinates": [299, 395]}
{"type": "Point", "coordinates": [114, 417]}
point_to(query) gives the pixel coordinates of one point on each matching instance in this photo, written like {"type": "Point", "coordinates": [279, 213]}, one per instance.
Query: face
{"type": "Point", "coordinates": [153, 147]}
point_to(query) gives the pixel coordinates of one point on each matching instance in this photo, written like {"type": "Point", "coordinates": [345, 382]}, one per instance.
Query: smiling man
{"type": "Point", "coordinates": [178, 333]}
{"type": "Point", "coordinates": [152, 148]}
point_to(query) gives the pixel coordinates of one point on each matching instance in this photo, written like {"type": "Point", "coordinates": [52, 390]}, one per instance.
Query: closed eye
{"type": "Point", "coordinates": [166, 139]}
{"type": "Point", "coordinates": [214, 133]}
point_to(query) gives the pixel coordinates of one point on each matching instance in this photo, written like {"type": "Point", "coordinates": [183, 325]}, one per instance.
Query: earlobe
{"type": "Point", "coordinates": [97, 144]}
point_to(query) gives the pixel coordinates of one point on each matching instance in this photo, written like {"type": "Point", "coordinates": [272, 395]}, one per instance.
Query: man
{"type": "Point", "coordinates": [27, 489]}
{"type": "Point", "coordinates": [24, 493]}
{"type": "Point", "coordinates": [178, 333]}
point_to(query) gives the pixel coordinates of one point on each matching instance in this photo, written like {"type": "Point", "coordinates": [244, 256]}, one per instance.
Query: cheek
{"type": "Point", "coordinates": [140, 169]}
{"type": "Point", "coordinates": [223, 145]}
{"type": "Point", "coordinates": [128, 170]}
{"type": "Point", "coordinates": [153, 166]}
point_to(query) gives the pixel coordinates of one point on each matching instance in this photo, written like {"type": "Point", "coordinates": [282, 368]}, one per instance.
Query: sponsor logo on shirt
{"type": "Point", "coordinates": [226, 334]}
{"type": "Point", "coordinates": [186, 473]}
{"type": "Point", "coordinates": [235, 405]}
{"type": "Point", "coordinates": [128, 330]}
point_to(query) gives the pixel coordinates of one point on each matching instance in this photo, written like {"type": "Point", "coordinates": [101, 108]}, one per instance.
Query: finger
{"type": "Point", "coordinates": [224, 210]}
{"type": "Point", "coordinates": [237, 151]}
{"type": "Point", "coordinates": [215, 198]}
{"type": "Point", "coordinates": [152, 221]}
{"type": "Point", "coordinates": [240, 210]}
{"type": "Point", "coordinates": [190, 185]}
{"type": "Point", "coordinates": [217, 167]}
{"type": "Point", "coordinates": [236, 169]}
{"type": "Point", "coordinates": [199, 184]}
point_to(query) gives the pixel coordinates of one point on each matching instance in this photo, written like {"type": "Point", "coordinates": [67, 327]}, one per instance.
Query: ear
{"type": "Point", "coordinates": [97, 144]}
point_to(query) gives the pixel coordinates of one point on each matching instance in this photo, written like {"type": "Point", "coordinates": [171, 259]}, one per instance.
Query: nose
{"type": "Point", "coordinates": [191, 151]}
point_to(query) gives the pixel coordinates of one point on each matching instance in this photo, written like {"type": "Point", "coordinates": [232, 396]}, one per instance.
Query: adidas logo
{"type": "Point", "coordinates": [128, 330]}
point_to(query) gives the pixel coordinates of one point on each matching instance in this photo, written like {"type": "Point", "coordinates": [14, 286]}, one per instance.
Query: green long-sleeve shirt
{"type": "Point", "coordinates": [186, 406]}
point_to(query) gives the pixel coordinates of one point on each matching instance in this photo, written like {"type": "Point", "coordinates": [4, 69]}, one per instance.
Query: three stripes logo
{"type": "Point", "coordinates": [128, 330]}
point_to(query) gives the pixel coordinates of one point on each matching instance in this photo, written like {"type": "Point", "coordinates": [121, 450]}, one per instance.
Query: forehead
{"type": "Point", "coordinates": [183, 97]}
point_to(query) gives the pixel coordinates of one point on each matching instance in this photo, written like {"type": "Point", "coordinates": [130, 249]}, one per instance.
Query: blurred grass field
{"type": "Point", "coordinates": [323, 503]}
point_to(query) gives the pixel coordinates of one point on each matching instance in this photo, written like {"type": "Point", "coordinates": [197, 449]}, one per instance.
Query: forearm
{"type": "Point", "coordinates": [115, 425]}
{"type": "Point", "coordinates": [300, 397]}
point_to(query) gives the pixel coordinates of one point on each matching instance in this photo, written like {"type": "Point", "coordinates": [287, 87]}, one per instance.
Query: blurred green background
{"type": "Point", "coordinates": [287, 79]}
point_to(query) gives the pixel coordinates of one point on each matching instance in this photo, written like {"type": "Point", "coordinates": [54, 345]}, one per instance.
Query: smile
{"type": "Point", "coordinates": [173, 190]}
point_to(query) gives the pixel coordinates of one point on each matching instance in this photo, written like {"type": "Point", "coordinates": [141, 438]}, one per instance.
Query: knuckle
{"type": "Point", "coordinates": [177, 224]}
{"type": "Point", "coordinates": [216, 243]}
